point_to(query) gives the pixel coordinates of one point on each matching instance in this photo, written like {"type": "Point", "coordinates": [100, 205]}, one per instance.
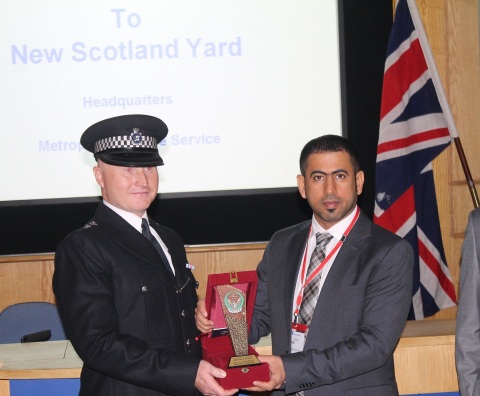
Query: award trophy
{"type": "Point", "coordinates": [233, 302]}
{"type": "Point", "coordinates": [229, 300]}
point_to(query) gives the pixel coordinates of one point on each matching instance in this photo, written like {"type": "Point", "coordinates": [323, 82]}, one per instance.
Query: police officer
{"type": "Point", "coordinates": [125, 291]}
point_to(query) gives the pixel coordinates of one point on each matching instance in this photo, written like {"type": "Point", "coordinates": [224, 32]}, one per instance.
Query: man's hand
{"type": "Point", "coordinates": [277, 374]}
{"type": "Point", "coordinates": [204, 324]}
{"type": "Point", "coordinates": [205, 381]}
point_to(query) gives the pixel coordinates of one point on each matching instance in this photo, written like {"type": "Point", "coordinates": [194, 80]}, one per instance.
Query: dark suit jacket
{"type": "Point", "coordinates": [130, 321]}
{"type": "Point", "coordinates": [359, 317]}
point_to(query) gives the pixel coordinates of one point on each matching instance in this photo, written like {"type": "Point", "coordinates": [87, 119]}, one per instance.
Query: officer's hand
{"type": "Point", "coordinates": [206, 383]}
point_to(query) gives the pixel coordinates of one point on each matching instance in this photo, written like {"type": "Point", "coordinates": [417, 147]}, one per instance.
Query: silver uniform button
{"type": "Point", "coordinates": [144, 289]}
{"type": "Point", "coordinates": [183, 313]}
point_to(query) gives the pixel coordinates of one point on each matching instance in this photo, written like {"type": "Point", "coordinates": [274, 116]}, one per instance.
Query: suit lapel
{"type": "Point", "coordinates": [174, 254]}
{"type": "Point", "coordinates": [292, 268]}
{"type": "Point", "coordinates": [346, 258]}
{"type": "Point", "coordinates": [128, 237]}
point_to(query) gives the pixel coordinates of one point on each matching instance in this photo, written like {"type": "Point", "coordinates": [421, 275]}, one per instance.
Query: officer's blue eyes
{"type": "Point", "coordinates": [133, 171]}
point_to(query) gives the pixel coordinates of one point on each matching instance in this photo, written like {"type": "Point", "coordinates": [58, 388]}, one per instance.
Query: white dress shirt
{"type": "Point", "coordinates": [136, 222]}
{"type": "Point", "coordinates": [336, 231]}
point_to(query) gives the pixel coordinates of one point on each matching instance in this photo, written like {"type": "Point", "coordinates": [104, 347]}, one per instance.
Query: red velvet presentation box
{"type": "Point", "coordinates": [217, 346]}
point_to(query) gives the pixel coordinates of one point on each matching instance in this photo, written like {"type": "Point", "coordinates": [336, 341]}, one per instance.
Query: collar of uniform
{"type": "Point", "coordinates": [132, 219]}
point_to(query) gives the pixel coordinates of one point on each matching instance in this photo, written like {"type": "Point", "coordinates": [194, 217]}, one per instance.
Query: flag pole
{"type": "Point", "coordinates": [466, 171]}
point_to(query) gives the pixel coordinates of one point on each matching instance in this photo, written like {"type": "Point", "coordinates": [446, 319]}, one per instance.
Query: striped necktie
{"type": "Point", "coordinates": [310, 294]}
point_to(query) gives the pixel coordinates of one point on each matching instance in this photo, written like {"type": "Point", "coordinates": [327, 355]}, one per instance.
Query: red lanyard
{"type": "Point", "coordinates": [320, 267]}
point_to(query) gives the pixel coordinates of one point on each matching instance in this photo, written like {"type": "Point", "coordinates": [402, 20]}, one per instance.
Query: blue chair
{"type": "Point", "coordinates": [22, 319]}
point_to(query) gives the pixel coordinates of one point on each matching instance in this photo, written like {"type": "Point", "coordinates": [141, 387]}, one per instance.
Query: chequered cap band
{"type": "Point", "coordinates": [134, 140]}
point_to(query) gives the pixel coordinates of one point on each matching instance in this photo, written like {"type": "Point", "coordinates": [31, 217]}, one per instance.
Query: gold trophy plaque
{"type": "Point", "coordinates": [233, 301]}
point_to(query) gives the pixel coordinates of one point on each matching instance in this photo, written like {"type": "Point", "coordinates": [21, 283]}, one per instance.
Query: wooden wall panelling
{"type": "Point", "coordinates": [452, 30]}
{"type": "Point", "coordinates": [219, 259]}
{"type": "Point", "coordinates": [25, 278]}
{"type": "Point", "coordinates": [29, 278]}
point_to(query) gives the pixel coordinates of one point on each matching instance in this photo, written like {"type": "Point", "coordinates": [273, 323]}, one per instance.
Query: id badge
{"type": "Point", "coordinates": [299, 335]}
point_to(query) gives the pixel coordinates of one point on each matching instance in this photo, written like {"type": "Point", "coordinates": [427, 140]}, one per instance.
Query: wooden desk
{"type": "Point", "coordinates": [424, 359]}
{"type": "Point", "coordinates": [38, 360]}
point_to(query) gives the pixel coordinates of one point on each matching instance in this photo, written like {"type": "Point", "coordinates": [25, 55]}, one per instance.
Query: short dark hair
{"type": "Point", "coordinates": [329, 143]}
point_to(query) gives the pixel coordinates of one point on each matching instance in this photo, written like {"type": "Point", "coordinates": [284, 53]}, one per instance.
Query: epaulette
{"type": "Point", "coordinates": [90, 224]}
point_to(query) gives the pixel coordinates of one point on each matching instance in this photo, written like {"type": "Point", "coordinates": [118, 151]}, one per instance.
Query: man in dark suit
{"type": "Point", "coordinates": [127, 302]}
{"type": "Point", "coordinates": [333, 328]}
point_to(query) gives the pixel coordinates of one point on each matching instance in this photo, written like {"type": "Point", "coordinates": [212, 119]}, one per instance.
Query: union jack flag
{"type": "Point", "coordinates": [416, 125]}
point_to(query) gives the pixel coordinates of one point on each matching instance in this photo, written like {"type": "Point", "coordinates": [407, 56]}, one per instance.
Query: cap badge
{"type": "Point", "coordinates": [136, 136]}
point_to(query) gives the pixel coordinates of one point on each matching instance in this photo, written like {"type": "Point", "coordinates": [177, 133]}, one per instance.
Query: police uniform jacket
{"type": "Point", "coordinates": [129, 319]}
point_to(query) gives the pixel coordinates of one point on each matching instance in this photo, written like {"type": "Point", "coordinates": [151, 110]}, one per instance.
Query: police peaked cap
{"type": "Point", "coordinates": [128, 140]}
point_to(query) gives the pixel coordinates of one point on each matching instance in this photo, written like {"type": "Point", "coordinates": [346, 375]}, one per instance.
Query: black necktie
{"type": "Point", "coordinates": [147, 234]}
